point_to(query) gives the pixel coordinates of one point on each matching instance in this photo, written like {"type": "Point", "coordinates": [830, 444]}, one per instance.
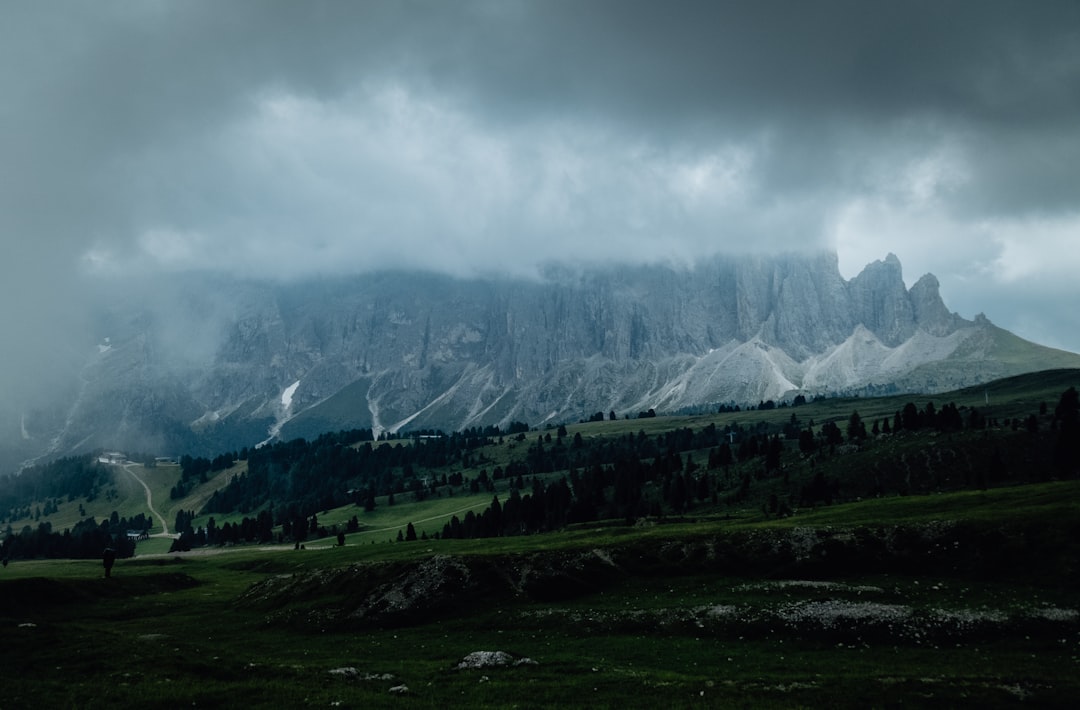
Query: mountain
{"type": "Point", "coordinates": [230, 364]}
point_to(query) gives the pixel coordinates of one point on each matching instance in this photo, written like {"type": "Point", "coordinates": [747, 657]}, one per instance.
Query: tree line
{"type": "Point", "coordinates": [85, 540]}
{"type": "Point", "coordinates": [630, 487]}
{"type": "Point", "coordinates": [65, 478]}
{"type": "Point", "coordinates": [625, 476]}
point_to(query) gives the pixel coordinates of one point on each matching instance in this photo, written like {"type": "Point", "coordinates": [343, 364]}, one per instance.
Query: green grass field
{"type": "Point", "coordinates": [180, 629]}
{"type": "Point", "coordinates": [942, 599]}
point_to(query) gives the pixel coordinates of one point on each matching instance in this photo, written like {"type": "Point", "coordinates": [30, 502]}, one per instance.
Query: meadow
{"type": "Point", "coordinates": [952, 597]}
{"type": "Point", "coordinates": [673, 630]}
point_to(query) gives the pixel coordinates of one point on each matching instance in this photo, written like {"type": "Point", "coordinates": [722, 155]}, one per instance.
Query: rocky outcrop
{"type": "Point", "coordinates": [492, 659]}
{"type": "Point", "coordinates": [881, 303]}
{"type": "Point", "coordinates": [355, 597]}
{"type": "Point", "coordinates": [930, 312]}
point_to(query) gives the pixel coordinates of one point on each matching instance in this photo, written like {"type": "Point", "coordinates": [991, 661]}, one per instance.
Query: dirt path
{"type": "Point", "coordinates": [150, 504]}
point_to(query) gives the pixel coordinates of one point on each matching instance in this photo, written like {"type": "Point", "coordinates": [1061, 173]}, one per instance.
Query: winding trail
{"type": "Point", "coordinates": [150, 504]}
{"type": "Point", "coordinates": [165, 526]}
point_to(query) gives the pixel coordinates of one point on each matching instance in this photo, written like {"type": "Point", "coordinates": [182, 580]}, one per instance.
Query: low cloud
{"type": "Point", "coordinates": [291, 140]}
{"type": "Point", "coordinates": [386, 178]}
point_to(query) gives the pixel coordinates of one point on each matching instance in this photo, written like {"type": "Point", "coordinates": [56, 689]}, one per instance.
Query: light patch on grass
{"type": "Point", "coordinates": [808, 584]}
{"type": "Point", "coordinates": [832, 613]}
{"type": "Point", "coordinates": [965, 619]}
{"type": "Point", "coordinates": [1051, 613]}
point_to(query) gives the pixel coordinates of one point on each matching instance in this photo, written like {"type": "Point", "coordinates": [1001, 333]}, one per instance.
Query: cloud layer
{"type": "Point", "coordinates": [292, 140]}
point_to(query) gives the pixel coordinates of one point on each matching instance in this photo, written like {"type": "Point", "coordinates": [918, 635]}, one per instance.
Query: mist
{"type": "Point", "coordinates": [148, 142]}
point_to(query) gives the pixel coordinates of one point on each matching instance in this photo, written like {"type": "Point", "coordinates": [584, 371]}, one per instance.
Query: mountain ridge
{"type": "Point", "coordinates": [405, 350]}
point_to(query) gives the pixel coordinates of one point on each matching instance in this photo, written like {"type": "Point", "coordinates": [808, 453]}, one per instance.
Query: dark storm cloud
{"type": "Point", "coordinates": [289, 139]}
{"type": "Point", "coordinates": [124, 81]}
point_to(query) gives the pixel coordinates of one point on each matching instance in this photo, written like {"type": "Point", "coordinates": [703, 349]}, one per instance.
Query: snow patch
{"type": "Point", "coordinates": [373, 406]}
{"type": "Point", "coordinates": [283, 414]}
{"type": "Point", "coordinates": [287, 395]}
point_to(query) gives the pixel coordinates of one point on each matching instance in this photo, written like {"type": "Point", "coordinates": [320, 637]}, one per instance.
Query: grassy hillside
{"type": "Point", "coordinates": [686, 614]}
{"type": "Point", "coordinates": [956, 456]}
{"type": "Point", "coordinates": [947, 595]}
{"type": "Point", "coordinates": [1015, 351]}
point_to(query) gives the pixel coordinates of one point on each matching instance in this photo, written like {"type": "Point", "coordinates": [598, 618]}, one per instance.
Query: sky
{"type": "Point", "coordinates": [301, 139]}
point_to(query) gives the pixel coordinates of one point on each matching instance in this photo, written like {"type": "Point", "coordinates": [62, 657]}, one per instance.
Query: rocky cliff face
{"type": "Point", "coordinates": [405, 351]}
